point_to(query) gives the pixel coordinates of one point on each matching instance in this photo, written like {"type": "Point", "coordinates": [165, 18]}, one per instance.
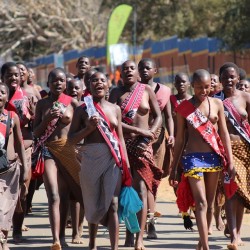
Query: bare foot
{"type": "Point", "coordinates": [139, 244]}
{"type": "Point", "coordinates": [232, 246]}
{"type": "Point", "coordinates": [199, 246]}
{"type": "Point", "coordinates": [220, 224]}
{"type": "Point", "coordinates": [25, 228]}
{"type": "Point", "coordinates": [77, 240]}
{"type": "Point", "coordinates": [240, 242]}
{"type": "Point", "coordinates": [56, 246]}
{"type": "Point", "coordinates": [129, 241]}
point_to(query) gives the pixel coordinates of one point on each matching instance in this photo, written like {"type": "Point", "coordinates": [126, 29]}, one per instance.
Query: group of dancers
{"type": "Point", "coordinates": [87, 143]}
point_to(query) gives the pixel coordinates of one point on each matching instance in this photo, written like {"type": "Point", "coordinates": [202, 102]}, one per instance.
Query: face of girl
{"type": "Point", "coordinates": [146, 71]}
{"type": "Point", "coordinates": [129, 73]}
{"type": "Point", "coordinates": [3, 95]}
{"type": "Point", "coordinates": [57, 82]}
{"type": "Point", "coordinates": [24, 74]}
{"type": "Point", "coordinates": [83, 65]}
{"type": "Point", "coordinates": [229, 78]}
{"type": "Point", "coordinates": [12, 78]}
{"type": "Point", "coordinates": [182, 83]}
{"type": "Point", "coordinates": [202, 88]}
{"type": "Point", "coordinates": [98, 85]}
{"type": "Point", "coordinates": [75, 89]}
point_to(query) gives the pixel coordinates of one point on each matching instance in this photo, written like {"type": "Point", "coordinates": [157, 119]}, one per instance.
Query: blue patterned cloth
{"type": "Point", "coordinates": [194, 164]}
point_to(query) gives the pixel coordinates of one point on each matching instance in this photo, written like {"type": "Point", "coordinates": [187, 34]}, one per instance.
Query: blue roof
{"type": "Point", "coordinates": [45, 60]}
{"type": "Point", "coordinates": [147, 44]}
{"type": "Point", "coordinates": [164, 45]}
{"type": "Point", "coordinates": [214, 44]}
{"type": "Point", "coordinates": [70, 55]}
{"type": "Point", "coordinates": [199, 44]}
{"type": "Point", "coordinates": [184, 45]}
{"type": "Point", "coordinates": [100, 52]}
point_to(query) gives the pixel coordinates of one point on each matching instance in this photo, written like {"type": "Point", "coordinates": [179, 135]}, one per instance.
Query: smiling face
{"type": "Point", "coordinates": [57, 82]}
{"type": "Point", "coordinates": [24, 74]}
{"type": "Point", "coordinates": [244, 85]}
{"type": "Point", "coordinates": [202, 87]}
{"type": "Point", "coordinates": [98, 85]}
{"type": "Point", "coordinates": [129, 73]}
{"type": "Point", "coordinates": [83, 65]}
{"type": "Point", "coordinates": [215, 84]}
{"type": "Point", "coordinates": [229, 78]}
{"type": "Point", "coordinates": [11, 78]}
{"type": "Point", "coordinates": [146, 70]}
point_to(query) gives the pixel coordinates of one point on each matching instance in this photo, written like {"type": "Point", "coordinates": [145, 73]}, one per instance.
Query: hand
{"type": "Point", "coordinates": [53, 113]}
{"type": "Point", "coordinates": [32, 105]}
{"type": "Point", "coordinates": [146, 133]}
{"type": "Point", "coordinates": [171, 141]}
{"type": "Point", "coordinates": [174, 178]}
{"type": "Point", "coordinates": [92, 122]}
{"type": "Point", "coordinates": [231, 171]}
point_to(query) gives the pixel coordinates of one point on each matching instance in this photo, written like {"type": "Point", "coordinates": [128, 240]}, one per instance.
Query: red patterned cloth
{"type": "Point", "coordinates": [131, 103]}
{"type": "Point", "coordinates": [143, 163]}
{"type": "Point", "coordinates": [19, 103]}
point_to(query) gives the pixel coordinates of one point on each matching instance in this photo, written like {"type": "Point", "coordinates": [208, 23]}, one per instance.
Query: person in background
{"type": "Point", "coordinates": [216, 87]}
{"type": "Point", "coordinates": [74, 88]}
{"type": "Point", "coordinates": [242, 74]}
{"type": "Point", "coordinates": [31, 80]}
{"type": "Point", "coordinates": [141, 119]}
{"type": "Point", "coordinates": [244, 85]}
{"type": "Point", "coordinates": [147, 70]}
{"type": "Point", "coordinates": [82, 66]}
{"type": "Point", "coordinates": [182, 85]}
{"type": "Point", "coordinates": [237, 111]}
{"type": "Point", "coordinates": [216, 91]}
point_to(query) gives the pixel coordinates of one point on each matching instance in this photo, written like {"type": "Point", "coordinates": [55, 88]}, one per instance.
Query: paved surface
{"type": "Point", "coordinates": [171, 233]}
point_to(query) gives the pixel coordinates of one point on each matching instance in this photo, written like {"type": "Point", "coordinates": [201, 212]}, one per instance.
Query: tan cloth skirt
{"type": "Point", "coordinates": [9, 190]}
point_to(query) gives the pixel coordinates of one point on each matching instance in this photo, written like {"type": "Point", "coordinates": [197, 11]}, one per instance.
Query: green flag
{"type": "Point", "coordinates": [117, 21]}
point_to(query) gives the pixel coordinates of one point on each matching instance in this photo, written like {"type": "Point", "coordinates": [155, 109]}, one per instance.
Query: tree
{"type": "Point", "coordinates": [235, 29]}
{"type": "Point", "coordinates": [31, 28]}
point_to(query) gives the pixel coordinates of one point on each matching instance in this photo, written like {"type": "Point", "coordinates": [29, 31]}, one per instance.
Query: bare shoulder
{"type": "Point", "coordinates": [245, 95]}
{"type": "Point", "coordinates": [74, 103]}
{"type": "Point", "coordinates": [216, 101]}
{"type": "Point", "coordinates": [115, 94]}
{"type": "Point", "coordinates": [149, 89]}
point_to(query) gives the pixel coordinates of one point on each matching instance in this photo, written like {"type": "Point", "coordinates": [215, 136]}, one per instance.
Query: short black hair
{"type": "Point", "coordinates": [229, 65]}
{"type": "Point", "coordinates": [53, 72]}
{"type": "Point", "coordinates": [6, 66]}
{"type": "Point", "coordinates": [143, 60]}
